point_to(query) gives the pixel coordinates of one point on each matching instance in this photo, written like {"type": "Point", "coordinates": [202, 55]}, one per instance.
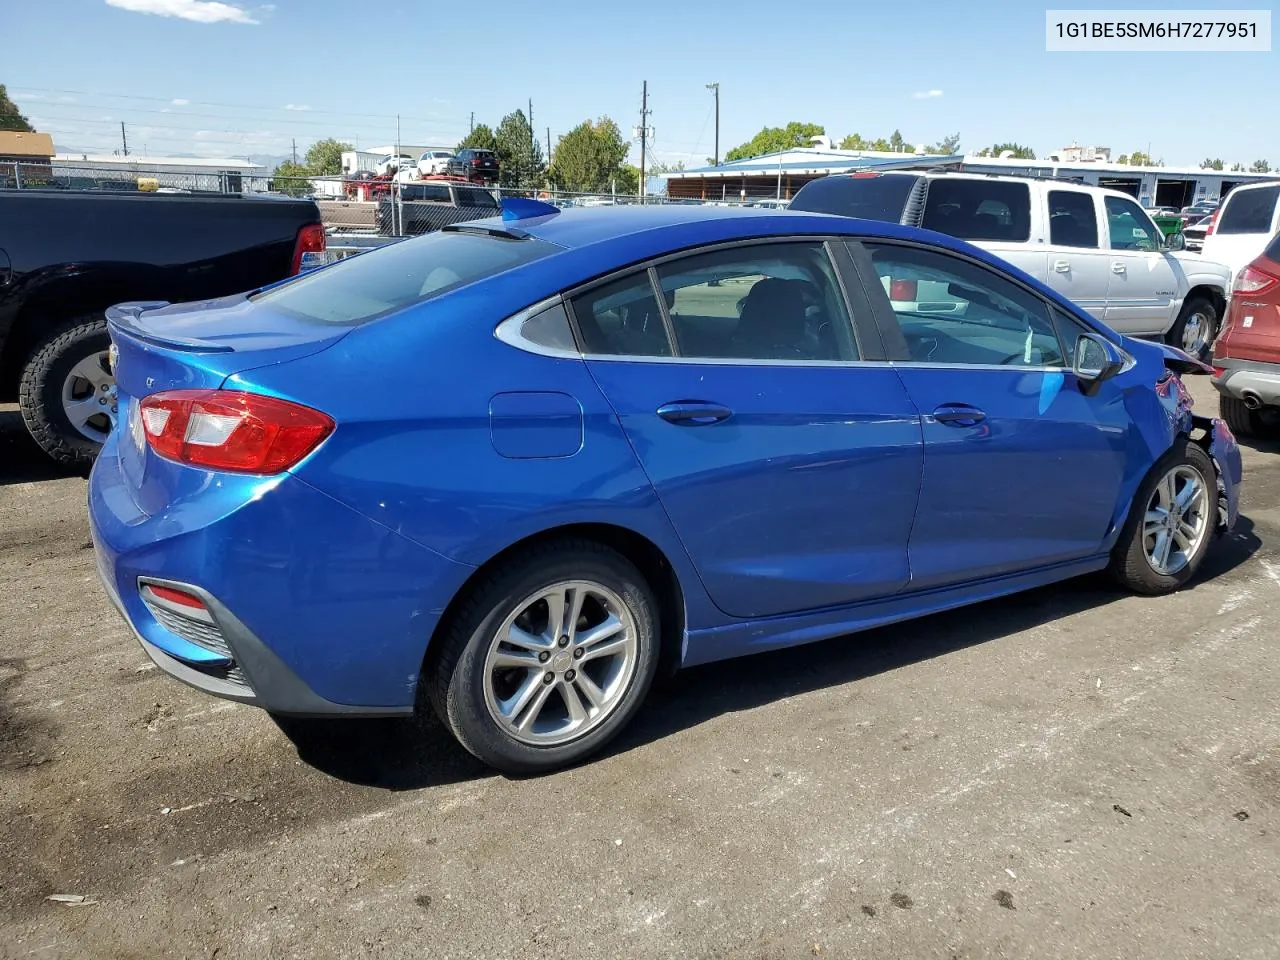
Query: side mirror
{"type": "Point", "coordinates": [1176, 242]}
{"type": "Point", "coordinates": [1096, 361]}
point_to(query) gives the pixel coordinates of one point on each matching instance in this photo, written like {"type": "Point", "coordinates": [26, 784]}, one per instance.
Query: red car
{"type": "Point", "coordinates": [1246, 356]}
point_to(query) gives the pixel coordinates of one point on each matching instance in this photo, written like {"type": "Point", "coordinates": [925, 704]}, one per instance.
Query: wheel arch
{"type": "Point", "coordinates": [649, 558]}
{"type": "Point", "coordinates": [1213, 293]}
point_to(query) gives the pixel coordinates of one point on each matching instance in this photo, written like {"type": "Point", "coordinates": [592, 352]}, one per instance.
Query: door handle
{"type": "Point", "coordinates": [1117, 266]}
{"type": "Point", "coordinates": [1062, 266]}
{"type": "Point", "coordinates": [694, 413]}
{"type": "Point", "coordinates": [958, 415]}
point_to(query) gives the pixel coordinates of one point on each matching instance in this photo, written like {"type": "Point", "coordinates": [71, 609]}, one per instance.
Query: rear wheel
{"type": "Point", "coordinates": [67, 393]}
{"type": "Point", "coordinates": [1195, 328]}
{"type": "Point", "coordinates": [549, 657]}
{"type": "Point", "coordinates": [1171, 523]}
{"type": "Point", "coordinates": [1242, 421]}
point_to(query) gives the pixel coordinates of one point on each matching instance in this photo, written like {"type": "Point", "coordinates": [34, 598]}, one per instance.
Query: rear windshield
{"type": "Point", "coordinates": [369, 285]}
{"type": "Point", "coordinates": [871, 198]}
{"type": "Point", "coordinates": [979, 209]}
{"type": "Point", "coordinates": [1249, 211]}
{"type": "Point", "coordinates": [1273, 249]}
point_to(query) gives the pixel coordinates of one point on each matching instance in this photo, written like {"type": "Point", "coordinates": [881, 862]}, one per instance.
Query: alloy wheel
{"type": "Point", "coordinates": [1176, 521]}
{"type": "Point", "coordinates": [89, 397]}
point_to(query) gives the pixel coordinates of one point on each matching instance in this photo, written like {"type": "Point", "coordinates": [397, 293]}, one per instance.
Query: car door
{"type": "Point", "coordinates": [1143, 285]}
{"type": "Point", "coordinates": [1079, 268]}
{"type": "Point", "coordinates": [789, 467]}
{"type": "Point", "coordinates": [1022, 470]}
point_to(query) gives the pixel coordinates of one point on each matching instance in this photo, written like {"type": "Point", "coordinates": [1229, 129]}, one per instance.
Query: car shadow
{"type": "Point", "coordinates": [21, 460]}
{"type": "Point", "coordinates": [410, 754]}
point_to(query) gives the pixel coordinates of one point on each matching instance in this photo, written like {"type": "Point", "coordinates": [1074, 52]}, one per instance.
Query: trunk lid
{"type": "Point", "coordinates": [158, 346]}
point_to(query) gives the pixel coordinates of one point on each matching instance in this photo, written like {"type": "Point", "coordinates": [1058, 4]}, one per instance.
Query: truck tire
{"type": "Point", "coordinates": [1196, 327]}
{"type": "Point", "coordinates": [66, 393]}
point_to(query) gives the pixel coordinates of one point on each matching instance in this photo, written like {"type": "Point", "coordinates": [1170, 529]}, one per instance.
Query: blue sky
{"type": "Point", "coordinates": [237, 78]}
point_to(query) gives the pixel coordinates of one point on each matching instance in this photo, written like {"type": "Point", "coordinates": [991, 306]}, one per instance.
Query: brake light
{"type": "Point", "coordinates": [232, 430]}
{"type": "Point", "coordinates": [1253, 280]}
{"type": "Point", "coordinates": [902, 290]}
{"type": "Point", "coordinates": [1212, 222]}
{"type": "Point", "coordinates": [1219, 371]}
{"type": "Point", "coordinates": [865, 175]}
{"type": "Point", "coordinates": [308, 248]}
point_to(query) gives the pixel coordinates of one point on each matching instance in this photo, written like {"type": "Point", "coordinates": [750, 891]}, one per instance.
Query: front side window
{"type": "Point", "coordinates": [777, 301]}
{"type": "Point", "coordinates": [1073, 222]}
{"type": "Point", "coordinates": [1130, 228]}
{"type": "Point", "coordinates": [954, 311]}
{"type": "Point", "coordinates": [978, 209]}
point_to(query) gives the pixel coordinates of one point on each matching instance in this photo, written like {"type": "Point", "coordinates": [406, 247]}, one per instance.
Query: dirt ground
{"type": "Point", "coordinates": [1068, 773]}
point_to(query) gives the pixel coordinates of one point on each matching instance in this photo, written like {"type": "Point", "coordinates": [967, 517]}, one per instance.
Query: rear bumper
{"type": "Point", "coordinates": [312, 609]}
{"type": "Point", "coordinates": [1243, 379]}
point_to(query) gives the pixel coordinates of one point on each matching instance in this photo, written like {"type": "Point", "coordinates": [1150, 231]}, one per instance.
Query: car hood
{"type": "Point", "coordinates": [1179, 361]}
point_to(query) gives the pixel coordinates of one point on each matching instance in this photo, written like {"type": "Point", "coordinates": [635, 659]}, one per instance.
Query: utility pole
{"type": "Point", "coordinates": [295, 151]}
{"type": "Point", "coordinates": [124, 141]}
{"type": "Point", "coordinates": [548, 145]}
{"type": "Point", "coordinates": [644, 132]}
{"type": "Point", "coordinates": [715, 89]}
{"type": "Point", "coordinates": [473, 122]}
{"type": "Point", "coordinates": [532, 135]}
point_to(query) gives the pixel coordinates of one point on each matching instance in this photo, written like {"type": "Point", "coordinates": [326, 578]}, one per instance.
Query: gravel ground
{"type": "Point", "coordinates": [1068, 773]}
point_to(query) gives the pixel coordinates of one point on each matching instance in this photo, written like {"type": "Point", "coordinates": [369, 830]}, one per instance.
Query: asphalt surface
{"type": "Point", "coordinates": [1069, 773]}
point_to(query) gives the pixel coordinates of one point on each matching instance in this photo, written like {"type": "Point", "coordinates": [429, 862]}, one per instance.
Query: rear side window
{"type": "Point", "coordinates": [1073, 221]}
{"type": "Point", "coordinates": [622, 318]}
{"type": "Point", "coordinates": [874, 197]}
{"type": "Point", "coordinates": [1273, 249]}
{"type": "Point", "coordinates": [1249, 211]}
{"type": "Point", "coordinates": [373, 284]}
{"type": "Point", "coordinates": [435, 192]}
{"type": "Point", "coordinates": [471, 197]}
{"type": "Point", "coordinates": [979, 209]}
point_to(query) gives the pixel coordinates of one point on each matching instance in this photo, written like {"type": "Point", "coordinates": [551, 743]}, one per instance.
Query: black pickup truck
{"type": "Point", "coordinates": [65, 256]}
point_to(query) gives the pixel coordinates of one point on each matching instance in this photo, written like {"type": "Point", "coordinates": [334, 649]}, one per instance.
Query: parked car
{"type": "Point", "coordinates": [65, 256]}
{"type": "Point", "coordinates": [389, 165]}
{"type": "Point", "coordinates": [522, 464]}
{"type": "Point", "coordinates": [1246, 357]}
{"type": "Point", "coordinates": [434, 162]}
{"type": "Point", "coordinates": [1195, 212]}
{"type": "Point", "coordinates": [1194, 233]}
{"type": "Point", "coordinates": [427, 205]}
{"type": "Point", "coordinates": [474, 164]}
{"type": "Point", "coordinates": [1094, 246]}
{"type": "Point", "coordinates": [1243, 226]}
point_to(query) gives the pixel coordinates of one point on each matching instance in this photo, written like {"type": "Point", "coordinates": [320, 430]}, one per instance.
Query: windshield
{"type": "Point", "coordinates": [370, 285]}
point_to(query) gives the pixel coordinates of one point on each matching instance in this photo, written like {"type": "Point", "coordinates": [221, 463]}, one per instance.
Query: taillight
{"type": "Point", "coordinates": [1212, 222]}
{"type": "Point", "coordinates": [864, 175]}
{"type": "Point", "coordinates": [1253, 280]}
{"type": "Point", "coordinates": [232, 430]}
{"type": "Point", "coordinates": [902, 290]}
{"type": "Point", "coordinates": [308, 248]}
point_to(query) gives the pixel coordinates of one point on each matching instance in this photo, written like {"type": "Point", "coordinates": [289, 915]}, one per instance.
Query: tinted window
{"type": "Point", "coordinates": [550, 328]}
{"type": "Point", "coordinates": [1249, 211]}
{"type": "Point", "coordinates": [979, 209]}
{"type": "Point", "coordinates": [1073, 222]}
{"type": "Point", "coordinates": [953, 311]}
{"type": "Point", "coordinates": [871, 198]}
{"type": "Point", "coordinates": [1273, 249]}
{"type": "Point", "coordinates": [760, 302]}
{"type": "Point", "coordinates": [622, 318]}
{"type": "Point", "coordinates": [372, 284]}
{"type": "Point", "coordinates": [471, 197]}
{"type": "Point", "coordinates": [437, 192]}
{"type": "Point", "coordinates": [1130, 228]}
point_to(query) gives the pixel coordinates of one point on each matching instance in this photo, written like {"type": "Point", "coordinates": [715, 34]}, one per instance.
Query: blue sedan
{"type": "Point", "coordinates": [517, 467]}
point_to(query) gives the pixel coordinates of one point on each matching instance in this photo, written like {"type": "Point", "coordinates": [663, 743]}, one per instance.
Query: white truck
{"type": "Point", "coordinates": [1096, 247]}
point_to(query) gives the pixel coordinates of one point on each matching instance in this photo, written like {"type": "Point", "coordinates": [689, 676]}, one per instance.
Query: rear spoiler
{"type": "Point", "coordinates": [124, 317]}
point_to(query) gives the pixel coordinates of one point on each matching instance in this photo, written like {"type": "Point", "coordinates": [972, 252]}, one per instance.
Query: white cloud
{"type": "Point", "coordinates": [296, 106]}
{"type": "Point", "coordinates": [926, 94]}
{"type": "Point", "coordinates": [200, 11]}
{"type": "Point", "coordinates": [179, 102]}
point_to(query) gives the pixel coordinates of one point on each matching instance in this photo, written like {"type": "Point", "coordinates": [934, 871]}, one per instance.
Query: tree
{"type": "Point", "coordinates": [1018, 150]}
{"type": "Point", "coordinates": [1237, 168]}
{"type": "Point", "coordinates": [896, 142]}
{"type": "Point", "coordinates": [1209, 163]}
{"type": "Point", "coordinates": [324, 158]}
{"type": "Point", "coordinates": [1124, 158]}
{"type": "Point", "coordinates": [627, 180]}
{"type": "Point", "coordinates": [658, 168]}
{"type": "Point", "coordinates": [589, 157]}
{"type": "Point", "coordinates": [777, 139]}
{"type": "Point", "coordinates": [519, 152]}
{"type": "Point", "coordinates": [1260, 166]}
{"type": "Point", "coordinates": [11, 117]}
{"type": "Point", "coordinates": [947, 145]}
{"type": "Point", "coordinates": [481, 138]}
{"type": "Point", "coordinates": [880, 146]}
{"type": "Point", "coordinates": [1138, 159]}
{"type": "Point", "coordinates": [291, 178]}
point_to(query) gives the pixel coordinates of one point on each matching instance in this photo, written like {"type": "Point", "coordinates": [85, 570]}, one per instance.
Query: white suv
{"type": "Point", "coordinates": [1096, 247]}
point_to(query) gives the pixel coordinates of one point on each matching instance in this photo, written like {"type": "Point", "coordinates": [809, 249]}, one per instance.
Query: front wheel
{"type": "Point", "coordinates": [1170, 524]}
{"type": "Point", "coordinates": [548, 659]}
{"type": "Point", "coordinates": [1196, 327]}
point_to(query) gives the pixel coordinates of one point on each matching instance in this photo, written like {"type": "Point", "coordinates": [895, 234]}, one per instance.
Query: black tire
{"type": "Point", "coordinates": [1129, 565]}
{"type": "Point", "coordinates": [40, 388]}
{"type": "Point", "coordinates": [1209, 310]}
{"type": "Point", "coordinates": [455, 674]}
{"type": "Point", "coordinates": [1242, 421]}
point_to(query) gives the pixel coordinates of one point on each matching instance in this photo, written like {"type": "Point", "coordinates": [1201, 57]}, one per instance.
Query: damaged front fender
{"type": "Point", "coordinates": [1215, 437]}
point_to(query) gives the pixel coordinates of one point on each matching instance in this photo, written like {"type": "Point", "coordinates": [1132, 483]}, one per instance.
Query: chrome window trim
{"type": "Point", "coordinates": [511, 330]}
